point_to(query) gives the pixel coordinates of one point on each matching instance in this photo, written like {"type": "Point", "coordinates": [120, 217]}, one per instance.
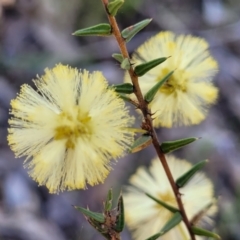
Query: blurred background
{"type": "Point", "coordinates": [37, 34]}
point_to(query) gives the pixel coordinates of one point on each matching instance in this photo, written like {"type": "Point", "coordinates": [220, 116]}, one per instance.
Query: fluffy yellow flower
{"type": "Point", "coordinates": [186, 96]}
{"type": "Point", "coordinates": [69, 129]}
{"type": "Point", "coordinates": [145, 217]}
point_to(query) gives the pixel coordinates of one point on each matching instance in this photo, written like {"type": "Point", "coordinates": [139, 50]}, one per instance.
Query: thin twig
{"type": "Point", "coordinates": [148, 120]}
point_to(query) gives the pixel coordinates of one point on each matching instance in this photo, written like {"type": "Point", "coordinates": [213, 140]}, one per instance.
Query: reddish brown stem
{"type": "Point", "coordinates": [143, 106]}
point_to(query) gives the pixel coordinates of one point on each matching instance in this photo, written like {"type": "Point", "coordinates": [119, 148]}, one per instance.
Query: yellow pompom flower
{"type": "Point", "coordinates": [69, 129]}
{"type": "Point", "coordinates": [145, 217]}
{"type": "Point", "coordinates": [186, 96]}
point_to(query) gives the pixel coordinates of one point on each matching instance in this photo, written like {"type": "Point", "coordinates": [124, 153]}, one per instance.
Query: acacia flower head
{"type": "Point", "coordinates": [69, 129]}
{"type": "Point", "coordinates": [145, 217]}
{"type": "Point", "coordinates": [185, 97]}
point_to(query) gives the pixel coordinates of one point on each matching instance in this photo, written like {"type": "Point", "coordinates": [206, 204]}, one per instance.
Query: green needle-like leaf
{"type": "Point", "coordinates": [165, 205]}
{"type": "Point", "coordinates": [120, 218]}
{"type": "Point", "coordinates": [102, 29]}
{"type": "Point", "coordinates": [125, 64]}
{"type": "Point", "coordinates": [174, 145]}
{"type": "Point", "coordinates": [108, 203]}
{"type": "Point", "coordinates": [126, 88]}
{"type": "Point", "coordinates": [96, 216]}
{"type": "Point", "coordinates": [128, 99]}
{"type": "Point", "coordinates": [97, 225]}
{"type": "Point", "coordinates": [206, 233]}
{"type": "Point", "coordinates": [142, 142]}
{"type": "Point", "coordinates": [119, 57]}
{"type": "Point", "coordinates": [124, 97]}
{"type": "Point", "coordinates": [181, 181]}
{"type": "Point", "coordinates": [143, 68]}
{"type": "Point", "coordinates": [174, 221]}
{"type": "Point", "coordinates": [114, 6]}
{"type": "Point", "coordinates": [130, 32]}
{"type": "Point", "coordinates": [153, 91]}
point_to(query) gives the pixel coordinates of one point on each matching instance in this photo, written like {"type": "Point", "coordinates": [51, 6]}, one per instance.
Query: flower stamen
{"type": "Point", "coordinates": [70, 128]}
{"type": "Point", "coordinates": [172, 84]}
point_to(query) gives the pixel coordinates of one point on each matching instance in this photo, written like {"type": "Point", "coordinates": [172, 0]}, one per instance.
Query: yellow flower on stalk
{"type": "Point", "coordinates": [145, 217]}
{"type": "Point", "coordinates": [186, 96]}
{"type": "Point", "coordinates": [69, 129]}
